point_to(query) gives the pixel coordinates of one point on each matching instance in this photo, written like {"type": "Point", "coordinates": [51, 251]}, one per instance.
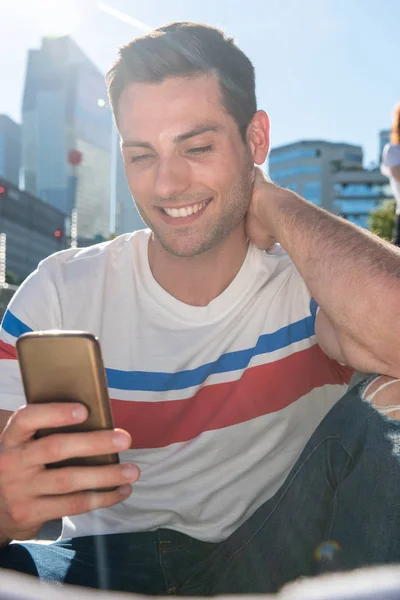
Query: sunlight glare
{"type": "Point", "coordinates": [125, 18]}
{"type": "Point", "coordinates": [58, 18]}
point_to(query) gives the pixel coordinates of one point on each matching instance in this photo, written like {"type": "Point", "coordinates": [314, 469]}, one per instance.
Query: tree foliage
{"type": "Point", "coordinates": [12, 278]}
{"type": "Point", "coordinates": [383, 219]}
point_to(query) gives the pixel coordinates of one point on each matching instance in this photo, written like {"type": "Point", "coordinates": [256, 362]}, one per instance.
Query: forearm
{"type": "Point", "coordinates": [353, 275]}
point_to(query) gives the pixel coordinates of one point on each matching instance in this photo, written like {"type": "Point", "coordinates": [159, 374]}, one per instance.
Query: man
{"type": "Point", "coordinates": [225, 363]}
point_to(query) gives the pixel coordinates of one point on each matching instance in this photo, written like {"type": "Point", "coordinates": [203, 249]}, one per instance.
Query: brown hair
{"type": "Point", "coordinates": [187, 50]}
{"type": "Point", "coordinates": [395, 131]}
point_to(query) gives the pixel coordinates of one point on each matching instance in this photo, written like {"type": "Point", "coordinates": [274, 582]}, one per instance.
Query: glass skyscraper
{"type": "Point", "coordinates": [10, 149]}
{"type": "Point", "coordinates": [65, 108]}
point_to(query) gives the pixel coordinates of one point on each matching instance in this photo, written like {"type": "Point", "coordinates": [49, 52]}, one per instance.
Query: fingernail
{"type": "Point", "coordinates": [79, 413]}
{"type": "Point", "coordinates": [130, 472]}
{"type": "Point", "coordinates": [125, 490]}
{"type": "Point", "coordinates": [120, 440]}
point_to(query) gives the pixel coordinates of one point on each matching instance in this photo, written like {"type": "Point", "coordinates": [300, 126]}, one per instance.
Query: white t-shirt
{"type": "Point", "coordinates": [391, 158]}
{"type": "Point", "coordinates": [220, 400]}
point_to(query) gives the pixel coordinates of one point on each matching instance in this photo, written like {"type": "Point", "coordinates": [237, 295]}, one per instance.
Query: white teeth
{"type": "Point", "coordinates": [185, 211]}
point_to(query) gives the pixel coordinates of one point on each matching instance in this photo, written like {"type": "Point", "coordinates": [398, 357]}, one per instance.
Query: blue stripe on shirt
{"type": "Point", "coordinates": [12, 325]}
{"type": "Point", "coordinates": [231, 361]}
{"type": "Point", "coordinates": [313, 308]}
{"type": "Point", "coordinates": [161, 382]}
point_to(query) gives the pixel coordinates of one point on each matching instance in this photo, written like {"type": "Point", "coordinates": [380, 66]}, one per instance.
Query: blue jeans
{"type": "Point", "coordinates": [339, 509]}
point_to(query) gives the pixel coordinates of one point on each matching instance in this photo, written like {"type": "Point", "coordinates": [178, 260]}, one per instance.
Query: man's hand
{"type": "Point", "coordinates": [30, 494]}
{"type": "Point", "coordinates": [258, 230]}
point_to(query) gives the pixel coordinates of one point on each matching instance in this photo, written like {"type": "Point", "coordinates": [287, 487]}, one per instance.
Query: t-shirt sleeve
{"type": "Point", "coordinates": [390, 158]}
{"type": "Point", "coordinates": [34, 307]}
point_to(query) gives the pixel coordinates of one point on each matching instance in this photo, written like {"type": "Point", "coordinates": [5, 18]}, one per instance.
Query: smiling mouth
{"type": "Point", "coordinates": [185, 211]}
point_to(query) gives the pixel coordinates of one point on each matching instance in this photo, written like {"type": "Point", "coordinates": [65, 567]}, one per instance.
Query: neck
{"type": "Point", "coordinates": [197, 280]}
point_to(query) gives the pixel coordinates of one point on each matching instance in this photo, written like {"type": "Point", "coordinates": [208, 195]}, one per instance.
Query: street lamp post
{"type": "Point", "coordinates": [74, 160]}
{"type": "Point", "coordinates": [3, 242]}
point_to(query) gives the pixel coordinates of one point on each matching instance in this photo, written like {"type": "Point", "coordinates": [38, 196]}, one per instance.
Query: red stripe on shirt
{"type": "Point", "coordinates": [7, 352]}
{"type": "Point", "coordinates": [261, 390]}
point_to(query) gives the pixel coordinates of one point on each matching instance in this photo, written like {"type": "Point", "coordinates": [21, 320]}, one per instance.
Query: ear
{"type": "Point", "coordinates": [257, 136]}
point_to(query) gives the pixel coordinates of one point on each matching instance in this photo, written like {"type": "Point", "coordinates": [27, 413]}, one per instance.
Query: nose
{"type": "Point", "coordinates": [172, 177]}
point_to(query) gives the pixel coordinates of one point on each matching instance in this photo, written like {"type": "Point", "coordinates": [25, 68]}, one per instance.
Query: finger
{"type": "Point", "coordinates": [47, 508]}
{"type": "Point", "coordinates": [67, 480]}
{"type": "Point", "coordinates": [82, 502]}
{"type": "Point", "coordinates": [25, 422]}
{"type": "Point", "coordinates": [60, 446]}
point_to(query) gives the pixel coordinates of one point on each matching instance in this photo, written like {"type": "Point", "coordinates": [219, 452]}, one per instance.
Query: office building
{"type": "Point", "coordinates": [127, 218]}
{"type": "Point", "coordinates": [64, 109]}
{"type": "Point", "coordinates": [10, 149]}
{"type": "Point", "coordinates": [306, 167]}
{"type": "Point", "coordinates": [34, 229]}
{"type": "Point", "coordinates": [358, 192]}
{"type": "Point", "coordinates": [330, 175]}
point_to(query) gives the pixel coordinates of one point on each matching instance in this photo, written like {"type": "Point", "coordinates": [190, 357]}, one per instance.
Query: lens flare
{"type": "Point", "coordinates": [327, 550]}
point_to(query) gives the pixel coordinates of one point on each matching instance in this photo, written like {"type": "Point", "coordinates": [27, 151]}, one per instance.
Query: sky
{"type": "Point", "coordinates": [325, 69]}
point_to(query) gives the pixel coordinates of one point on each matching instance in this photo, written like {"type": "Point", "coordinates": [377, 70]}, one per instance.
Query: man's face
{"type": "Point", "coordinates": [187, 166]}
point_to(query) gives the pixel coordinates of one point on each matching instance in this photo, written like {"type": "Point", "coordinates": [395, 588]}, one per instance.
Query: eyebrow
{"type": "Point", "coordinates": [196, 131]}
{"type": "Point", "coordinates": [177, 139]}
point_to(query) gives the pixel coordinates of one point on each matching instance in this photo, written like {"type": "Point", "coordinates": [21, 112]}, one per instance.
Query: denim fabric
{"type": "Point", "coordinates": [337, 510]}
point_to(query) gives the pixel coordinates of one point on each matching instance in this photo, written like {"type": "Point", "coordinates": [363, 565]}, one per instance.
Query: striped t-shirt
{"type": "Point", "coordinates": [219, 400]}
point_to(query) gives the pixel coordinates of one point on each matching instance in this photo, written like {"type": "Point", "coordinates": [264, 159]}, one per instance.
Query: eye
{"type": "Point", "coordinates": [141, 157]}
{"type": "Point", "coordinates": [200, 149]}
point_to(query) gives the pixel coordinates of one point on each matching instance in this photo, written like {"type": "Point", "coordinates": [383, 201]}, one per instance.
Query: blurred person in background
{"type": "Point", "coordinates": [390, 166]}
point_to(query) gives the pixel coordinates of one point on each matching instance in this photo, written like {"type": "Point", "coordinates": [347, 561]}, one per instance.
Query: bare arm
{"type": "Point", "coordinates": [353, 275]}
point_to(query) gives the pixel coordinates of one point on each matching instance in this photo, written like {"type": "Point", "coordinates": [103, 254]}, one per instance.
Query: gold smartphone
{"type": "Point", "coordinates": [67, 366]}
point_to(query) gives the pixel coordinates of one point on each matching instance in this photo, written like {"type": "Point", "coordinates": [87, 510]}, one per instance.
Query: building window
{"type": "Point", "coordinates": [359, 189]}
{"type": "Point", "coordinates": [293, 155]}
{"type": "Point", "coordinates": [351, 157]}
{"type": "Point", "coordinates": [312, 192]}
{"type": "Point", "coordinates": [362, 206]}
{"type": "Point", "coordinates": [300, 170]}
{"type": "Point", "coordinates": [360, 220]}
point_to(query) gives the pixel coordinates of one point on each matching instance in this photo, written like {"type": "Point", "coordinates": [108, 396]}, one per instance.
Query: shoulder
{"type": "Point", "coordinates": [281, 276]}
{"type": "Point", "coordinates": [277, 263]}
{"type": "Point", "coordinates": [69, 277]}
{"type": "Point", "coordinates": [78, 263]}
{"type": "Point", "coordinates": [285, 273]}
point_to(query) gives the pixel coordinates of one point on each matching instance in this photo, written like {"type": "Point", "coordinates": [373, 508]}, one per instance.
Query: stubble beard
{"type": "Point", "coordinates": [235, 206]}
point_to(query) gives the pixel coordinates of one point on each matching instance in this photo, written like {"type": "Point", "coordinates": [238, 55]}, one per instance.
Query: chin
{"type": "Point", "coordinates": [185, 247]}
{"type": "Point", "coordinates": [182, 251]}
